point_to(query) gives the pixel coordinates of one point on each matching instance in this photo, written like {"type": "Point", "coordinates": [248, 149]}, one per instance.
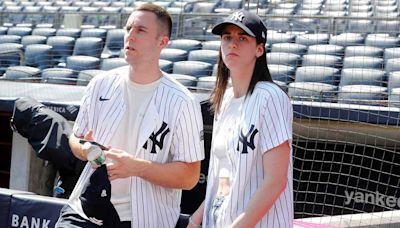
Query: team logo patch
{"type": "Point", "coordinates": [246, 140]}
{"type": "Point", "coordinates": [237, 16]}
{"type": "Point", "coordinates": [157, 138]}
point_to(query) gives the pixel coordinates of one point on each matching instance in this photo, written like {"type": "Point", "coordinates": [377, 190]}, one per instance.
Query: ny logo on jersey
{"type": "Point", "coordinates": [237, 16]}
{"type": "Point", "coordinates": [162, 132]}
{"type": "Point", "coordinates": [243, 138]}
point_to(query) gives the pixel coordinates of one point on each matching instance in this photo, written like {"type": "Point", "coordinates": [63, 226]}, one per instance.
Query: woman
{"type": "Point", "coordinates": [250, 173]}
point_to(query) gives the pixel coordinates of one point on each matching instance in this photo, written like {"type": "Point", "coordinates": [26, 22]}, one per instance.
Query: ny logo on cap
{"type": "Point", "coordinates": [237, 16]}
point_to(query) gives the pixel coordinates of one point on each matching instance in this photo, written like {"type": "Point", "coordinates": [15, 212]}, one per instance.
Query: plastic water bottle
{"type": "Point", "coordinates": [95, 154]}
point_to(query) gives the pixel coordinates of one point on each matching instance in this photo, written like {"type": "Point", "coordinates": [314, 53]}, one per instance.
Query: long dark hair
{"type": "Point", "coordinates": [260, 73]}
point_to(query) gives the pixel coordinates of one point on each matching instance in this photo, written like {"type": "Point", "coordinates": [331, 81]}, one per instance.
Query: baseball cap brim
{"type": "Point", "coordinates": [219, 28]}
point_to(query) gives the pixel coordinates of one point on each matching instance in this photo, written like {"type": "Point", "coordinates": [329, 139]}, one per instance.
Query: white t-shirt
{"type": "Point", "coordinates": [227, 120]}
{"type": "Point", "coordinates": [137, 99]}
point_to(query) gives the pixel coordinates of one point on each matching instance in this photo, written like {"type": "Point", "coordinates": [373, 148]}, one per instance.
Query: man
{"type": "Point", "coordinates": [152, 125]}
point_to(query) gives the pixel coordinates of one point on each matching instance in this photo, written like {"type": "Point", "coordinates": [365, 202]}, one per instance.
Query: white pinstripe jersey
{"type": "Point", "coordinates": [171, 130]}
{"type": "Point", "coordinates": [265, 122]}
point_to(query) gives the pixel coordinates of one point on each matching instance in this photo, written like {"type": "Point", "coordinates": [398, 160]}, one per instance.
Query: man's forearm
{"type": "Point", "coordinates": [76, 147]}
{"type": "Point", "coordinates": [178, 175]}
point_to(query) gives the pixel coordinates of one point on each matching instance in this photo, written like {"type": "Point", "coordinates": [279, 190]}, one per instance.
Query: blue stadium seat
{"type": "Point", "coordinates": [211, 45]}
{"type": "Point", "coordinates": [185, 44]}
{"type": "Point", "coordinates": [19, 31]}
{"type": "Point", "coordinates": [90, 46]}
{"type": "Point", "coordinates": [203, 7]}
{"type": "Point", "coordinates": [111, 63]}
{"type": "Point", "coordinates": [362, 94]}
{"type": "Point", "coordinates": [113, 15]}
{"type": "Point", "coordinates": [12, 16]}
{"type": "Point", "coordinates": [81, 4]}
{"type": "Point", "coordinates": [22, 73]}
{"type": "Point", "coordinates": [273, 38]}
{"type": "Point", "coordinates": [297, 49]}
{"type": "Point", "coordinates": [33, 39]}
{"type": "Point", "coordinates": [166, 65]}
{"type": "Point", "coordinates": [89, 15]}
{"type": "Point", "coordinates": [85, 76]}
{"type": "Point", "coordinates": [70, 9]}
{"type": "Point", "coordinates": [394, 97]}
{"type": "Point", "coordinates": [206, 83]}
{"type": "Point", "coordinates": [47, 32]}
{"type": "Point", "coordinates": [278, 24]}
{"type": "Point", "coordinates": [82, 62]}
{"type": "Point", "coordinates": [361, 26]}
{"type": "Point", "coordinates": [367, 14]}
{"type": "Point", "coordinates": [361, 76]}
{"type": "Point", "coordinates": [10, 55]}
{"type": "Point", "coordinates": [174, 55]}
{"type": "Point", "coordinates": [305, 24]}
{"type": "Point", "coordinates": [360, 6]}
{"type": "Point", "coordinates": [335, 6]}
{"type": "Point", "coordinates": [392, 65]}
{"type": "Point", "coordinates": [49, 13]}
{"type": "Point", "coordinates": [63, 47]}
{"type": "Point", "coordinates": [192, 68]}
{"type": "Point", "coordinates": [325, 25]}
{"type": "Point", "coordinates": [3, 30]}
{"type": "Point", "coordinates": [59, 76]}
{"type": "Point", "coordinates": [393, 80]}
{"type": "Point", "coordinates": [34, 14]}
{"type": "Point", "coordinates": [39, 55]}
{"type": "Point", "coordinates": [391, 53]}
{"type": "Point", "coordinates": [326, 49]}
{"type": "Point", "coordinates": [365, 62]}
{"type": "Point", "coordinates": [283, 85]}
{"type": "Point", "coordinates": [282, 58]}
{"type": "Point", "coordinates": [363, 51]}
{"type": "Point", "coordinates": [186, 80]}
{"type": "Point", "coordinates": [312, 39]}
{"type": "Point", "coordinates": [312, 91]}
{"type": "Point", "coordinates": [320, 74]}
{"type": "Point", "coordinates": [347, 39]}
{"type": "Point", "coordinates": [389, 27]}
{"type": "Point", "coordinates": [94, 32]}
{"type": "Point", "coordinates": [227, 6]}
{"type": "Point", "coordinates": [163, 4]}
{"type": "Point", "coordinates": [72, 32]}
{"type": "Point", "coordinates": [10, 39]}
{"type": "Point", "coordinates": [282, 73]}
{"type": "Point", "coordinates": [207, 56]}
{"type": "Point", "coordinates": [114, 43]}
{"type": "Point", "coordinates": [283, 11]}
{"type": "Point", "coordinates": [321, 60]}
{"type": "Point", "coordinates": [215, 70]}
{"type": "Point", "coordinates": [382, 41]}
{"type": "Point", "coordinates": [62, 3]}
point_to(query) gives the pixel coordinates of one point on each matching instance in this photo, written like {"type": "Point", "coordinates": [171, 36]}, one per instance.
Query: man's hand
{"type": "Point", "coordinates": [89, 135]}
{"type": "Point", "coordinates": [123, 164]}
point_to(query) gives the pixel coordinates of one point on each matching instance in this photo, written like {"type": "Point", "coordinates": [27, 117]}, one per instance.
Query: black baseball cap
{"type": "Point", "coordinates": [95, 199]}
{"type": "Point", "coordinates": [246, 20]}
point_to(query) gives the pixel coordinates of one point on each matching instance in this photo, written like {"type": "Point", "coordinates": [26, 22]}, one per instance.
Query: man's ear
{"type": "Point", "coordinates": [164, 41]}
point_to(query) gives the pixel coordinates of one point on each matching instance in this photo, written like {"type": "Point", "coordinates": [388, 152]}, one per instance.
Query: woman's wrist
{"type": "Point", "coordinates": [193, 223]}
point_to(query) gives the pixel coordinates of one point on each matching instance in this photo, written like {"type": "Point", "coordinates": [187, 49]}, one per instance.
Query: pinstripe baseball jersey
{"type": "Point", "coordinates": [171, 130]}
{"type": "Point", "coordinates": [265, 122]}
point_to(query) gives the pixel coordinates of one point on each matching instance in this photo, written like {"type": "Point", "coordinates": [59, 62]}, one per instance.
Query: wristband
{"type": "Point", "coordinates": [193, 223]}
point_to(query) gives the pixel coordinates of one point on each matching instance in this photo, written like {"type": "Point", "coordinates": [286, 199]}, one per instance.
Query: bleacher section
{"type": "Point", "coordinates": [316, 48]}
{"type": "Point", "coordinates": [338, 60]}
